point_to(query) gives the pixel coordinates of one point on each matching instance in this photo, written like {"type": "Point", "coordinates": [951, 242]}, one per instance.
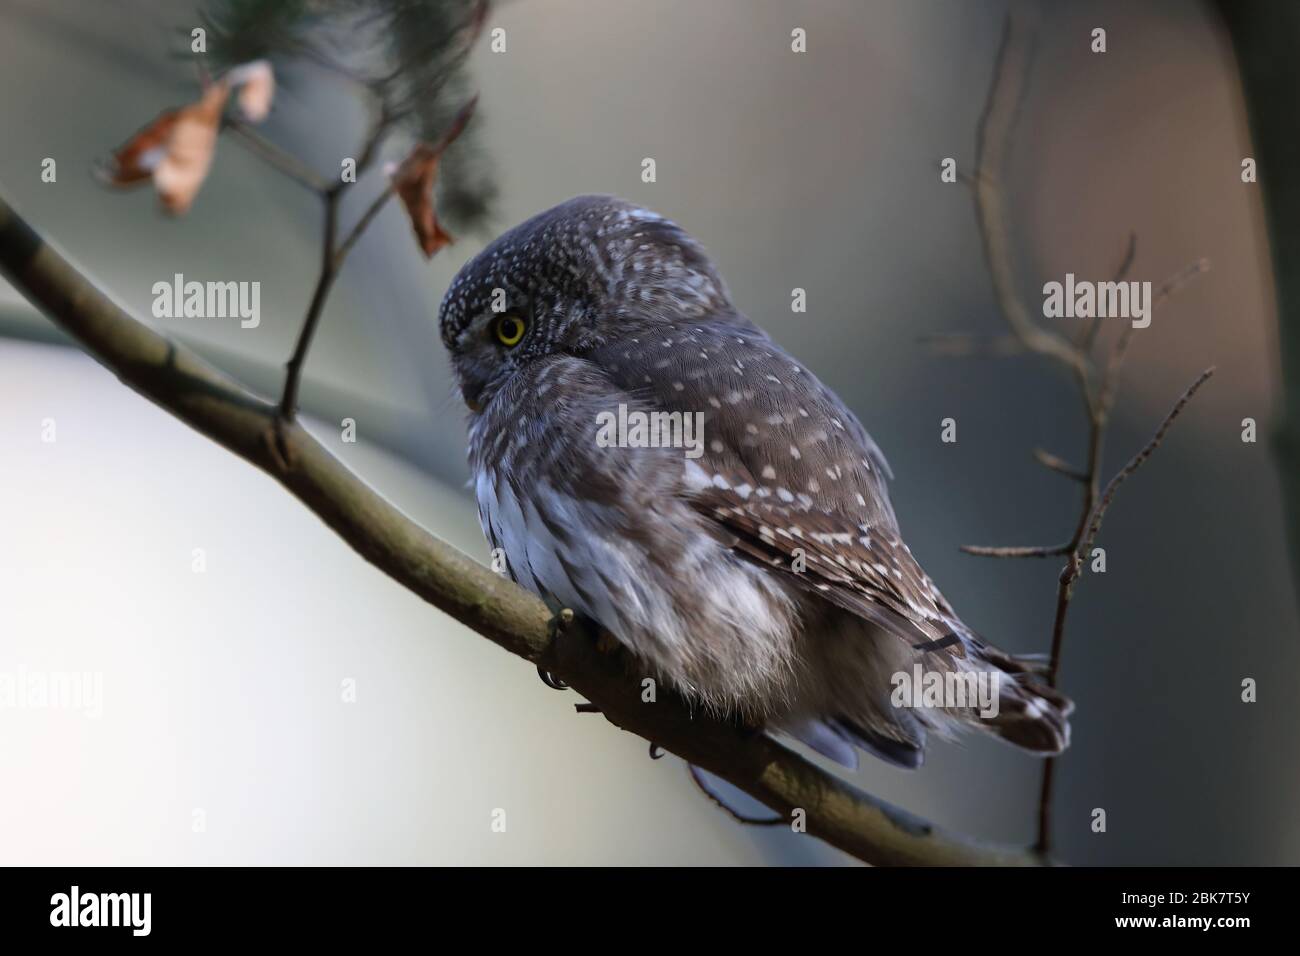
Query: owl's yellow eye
{"type": "Point", "coordinates": [510, 329]}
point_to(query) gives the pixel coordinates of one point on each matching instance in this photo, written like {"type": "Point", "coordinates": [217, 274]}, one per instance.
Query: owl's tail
{"type": "Point", "coordinates": [1030, 715]}
{"type": "Point", "coordinates": [984, 688]}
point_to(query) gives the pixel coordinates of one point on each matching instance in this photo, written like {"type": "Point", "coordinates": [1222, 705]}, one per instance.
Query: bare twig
{"type": "Point", "coordinates": [334, 252]}
{"type": "Point", "coordinates": [1059, 465]}
{"type": "Point", "coordinates": [180, 382]}
{"type": "Point", "coordinates": [374, 140]}
{"type": "Point", "coordinates": [1096, 388]}
{"type": "Point", "coordinates": [329, 270]}
{"type": "Point", "coordinates": [1016, 551]}
{"type": "Point", "coordinates": [1110, 380]}
{"type": "Point", "coordinates": [363, 223]}
{"type": "Point", "coordinates": [333, 255]}
{"type": "Point", "coordinates": [1088, 334]}
{"type": "Point", "coordinates": [278, 158]}
{"type": "Point", "coordinates": [1136, 462]}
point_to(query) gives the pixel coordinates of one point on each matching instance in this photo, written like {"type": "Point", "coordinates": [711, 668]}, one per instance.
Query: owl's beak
{"type": "Point", "coordinates": [471, 399]}
{"type": "Point", "coordinates": [473, 405]}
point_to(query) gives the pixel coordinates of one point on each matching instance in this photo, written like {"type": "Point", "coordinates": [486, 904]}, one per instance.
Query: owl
{"type": "Point", "coordinates": [645, 455]}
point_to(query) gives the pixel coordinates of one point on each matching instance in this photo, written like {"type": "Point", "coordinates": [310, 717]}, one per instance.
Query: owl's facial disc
{"type": "Point", "coordinates": [489, 350]}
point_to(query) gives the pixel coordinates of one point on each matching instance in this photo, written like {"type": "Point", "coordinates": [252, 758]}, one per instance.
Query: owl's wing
{"type": "Point", "coordinates": [788, 477]}
{"type": "Point", "coordinates": [870, 574]}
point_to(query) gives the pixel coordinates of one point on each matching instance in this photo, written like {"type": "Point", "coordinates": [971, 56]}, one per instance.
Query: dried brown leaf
{"type": "Point", "coordinates": [414, 178]}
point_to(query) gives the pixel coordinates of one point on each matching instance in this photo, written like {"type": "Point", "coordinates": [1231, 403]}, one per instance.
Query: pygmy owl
{"type": "Point", "coordinates": [756, 566]}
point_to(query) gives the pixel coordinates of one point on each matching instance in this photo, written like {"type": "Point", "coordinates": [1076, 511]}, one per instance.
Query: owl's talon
{"type": "Point", "coordinates": [552, 682]}
{"type": "Point", "coordinates": [656, 752]}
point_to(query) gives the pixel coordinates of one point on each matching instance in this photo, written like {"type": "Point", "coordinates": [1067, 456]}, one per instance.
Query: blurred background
{"type": "Point", "coordinates": [222, 690]}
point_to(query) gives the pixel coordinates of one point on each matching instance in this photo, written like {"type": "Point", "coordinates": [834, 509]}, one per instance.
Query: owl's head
{"type": "Point", "coordinates": [564, 281]}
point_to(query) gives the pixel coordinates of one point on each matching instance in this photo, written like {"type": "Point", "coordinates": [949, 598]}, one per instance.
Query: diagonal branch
{"type": "Point", "coordinates": [215, 405]}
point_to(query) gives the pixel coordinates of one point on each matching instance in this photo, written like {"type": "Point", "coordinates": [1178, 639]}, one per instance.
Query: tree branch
{"type": "Point", "coordinates": [213, 404]}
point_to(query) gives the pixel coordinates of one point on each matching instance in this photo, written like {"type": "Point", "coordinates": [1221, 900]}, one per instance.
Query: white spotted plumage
{"type": "Point", "coordinates": [764, 578]}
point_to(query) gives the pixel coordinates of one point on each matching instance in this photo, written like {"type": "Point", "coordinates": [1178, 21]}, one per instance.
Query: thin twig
{"type": "Point", "coordinates": [334, 252]}
{"type": "Point", "coordinates": [363, 223]}
{"type": "Point", "coordinates": [1016, 551]}
{"type": "Point", "coordinates": [1059, 465]}
{"type": "Point", "coordinates": [1136, 462]}
{"type": "Point", "coordinates": [374, 140]}
{"type": "Point", "coordinates": [333, 255]}
{"type": "Point", "coordinates": [278, 158]}
{"type": "Point", "coordinates": [1172, 285]}
{"type": "Point", "coordinates": [1089, 333]}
